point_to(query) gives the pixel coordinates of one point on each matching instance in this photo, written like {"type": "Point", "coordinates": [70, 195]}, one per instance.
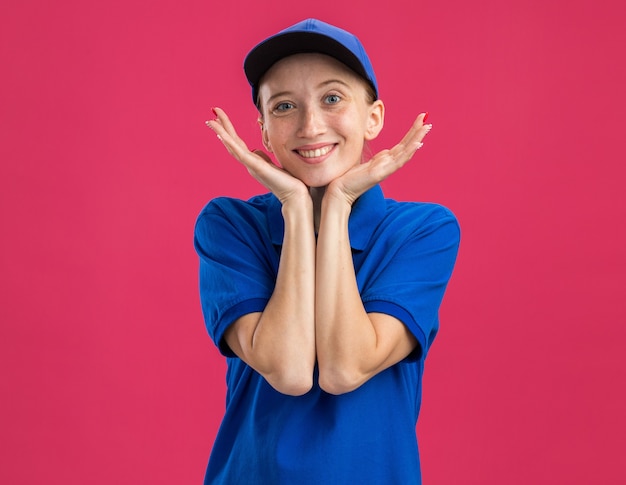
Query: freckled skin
{"type": "Point", "coordinates": [312, 101]}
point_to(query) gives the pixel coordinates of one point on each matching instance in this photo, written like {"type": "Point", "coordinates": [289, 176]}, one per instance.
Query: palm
{"type": "Point", "coordinates": [362, 177]}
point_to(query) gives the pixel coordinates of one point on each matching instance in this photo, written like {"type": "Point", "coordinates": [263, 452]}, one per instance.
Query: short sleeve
{"type": "Point", "coordinates": [237, 265]}
{"type": "Point", "coordinates": [413, 270]}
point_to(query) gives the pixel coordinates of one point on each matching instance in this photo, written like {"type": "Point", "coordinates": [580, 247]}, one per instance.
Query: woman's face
{"type": "Point", "coordinates": [316, 117]}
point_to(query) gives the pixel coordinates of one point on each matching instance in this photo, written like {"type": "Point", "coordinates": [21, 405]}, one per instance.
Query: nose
{"type": "Point", "coordinates": [311, 123]}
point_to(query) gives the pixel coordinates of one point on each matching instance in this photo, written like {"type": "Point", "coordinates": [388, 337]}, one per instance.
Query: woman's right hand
{"type": "Point", "coordinates": [282, 184]}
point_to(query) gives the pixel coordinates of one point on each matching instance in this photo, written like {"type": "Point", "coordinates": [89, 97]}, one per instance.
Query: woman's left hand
{"type": "Point", "coordinates": [360, 178]}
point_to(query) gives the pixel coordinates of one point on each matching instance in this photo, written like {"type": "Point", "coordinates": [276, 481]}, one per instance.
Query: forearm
{"type": "Point", "coordinates": [281, 343]}
{"type": "Point", "coordinates": [344, 333]}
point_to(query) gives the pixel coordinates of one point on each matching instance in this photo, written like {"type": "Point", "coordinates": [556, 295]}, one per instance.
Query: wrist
{"type": "Point", "coordinates": [337, 202]}
{"type": "Point", "coordinates": [300, 206]}
{"type": "Point", "coordinates": [335, 212]}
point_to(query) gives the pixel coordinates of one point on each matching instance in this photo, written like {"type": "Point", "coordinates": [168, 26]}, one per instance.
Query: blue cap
{"type": "Point", "coordinates": [308, 36]}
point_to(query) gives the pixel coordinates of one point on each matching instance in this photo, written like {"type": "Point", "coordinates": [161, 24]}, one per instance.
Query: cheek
{"type": "Point", "coordinates": [277, 131]}
{"type": "Point", "coordinates": [351, 123]}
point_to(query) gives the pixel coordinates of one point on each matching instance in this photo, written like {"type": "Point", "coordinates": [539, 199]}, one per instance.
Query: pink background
{"type": "Point", "coordinates": [106, 372]}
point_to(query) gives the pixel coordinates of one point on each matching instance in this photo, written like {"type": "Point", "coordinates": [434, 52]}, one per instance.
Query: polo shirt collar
{"type": "Point", "coordinates": [367, 212]}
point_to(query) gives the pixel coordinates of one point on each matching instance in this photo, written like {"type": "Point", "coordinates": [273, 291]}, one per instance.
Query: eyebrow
{"type": "Point", "coordinates": [322, 84]}
{"type": "Point", "coordinates": [332, 81]}
{"type": "Point", "coordinates": [278, 95]}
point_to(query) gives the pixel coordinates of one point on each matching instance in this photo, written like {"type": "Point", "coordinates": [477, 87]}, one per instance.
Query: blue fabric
{"type": "Point", "coordinates": [310, 35]}
{"type": "Point", "coordinates": [404, 253]}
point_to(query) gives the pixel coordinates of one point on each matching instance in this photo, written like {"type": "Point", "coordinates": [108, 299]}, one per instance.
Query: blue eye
{"type": "Point", "coordinates": [283, 106]}
{"type": "Point", "coordinates": [332, 99]}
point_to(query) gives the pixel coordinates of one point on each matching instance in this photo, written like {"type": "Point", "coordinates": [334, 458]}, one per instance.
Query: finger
{"type": "Point", "coordinates": [418, 130]}
{"type": "Point", "coordinates": [256, 161]}
{"type": "Point", "coordinates": [222, 136]}
{"type": "Point", "coordinates": [224, 121]}
{"type": "Point", "coordinates": [223, 126]}
{"type": "Point", "coordinates": [412, 141]}
{"type": "Point", "coordinates": [388, 161]}
{"type": "Point", "coordinates": [227, 134]}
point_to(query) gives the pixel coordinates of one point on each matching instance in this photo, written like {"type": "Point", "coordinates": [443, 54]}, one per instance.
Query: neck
{"type": "Point", "coordinates": [317, 194]}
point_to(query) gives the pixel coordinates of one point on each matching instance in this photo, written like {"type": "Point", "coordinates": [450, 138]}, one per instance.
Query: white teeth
{"type": "Point", "coordinates": [318, 152]}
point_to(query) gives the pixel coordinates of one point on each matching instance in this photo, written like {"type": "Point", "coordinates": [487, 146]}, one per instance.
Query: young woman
{"type": "Point", "coordinates": [322, 294]}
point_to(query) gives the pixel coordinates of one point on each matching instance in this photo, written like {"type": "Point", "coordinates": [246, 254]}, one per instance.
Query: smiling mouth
{"type": "Point", "coordinates": [318, 152]}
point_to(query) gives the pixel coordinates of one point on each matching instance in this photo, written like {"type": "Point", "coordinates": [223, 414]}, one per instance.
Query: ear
{"type": "Point", "coordinates": [264, 137]}
{"type": "Point", "coordinates": [375, 120]}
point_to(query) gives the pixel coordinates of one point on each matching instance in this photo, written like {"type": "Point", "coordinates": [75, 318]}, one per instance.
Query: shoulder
{"type": "Point", "coordinates": [254, 212]}
{"type": "Point", "coordinates": [423, 210]}
{"type": "Point", "coordinates": [232, 207]}
{"type": "Point", "coordinates": [413, 218]}
{"type": "Point", "coordinates": [225, 218]}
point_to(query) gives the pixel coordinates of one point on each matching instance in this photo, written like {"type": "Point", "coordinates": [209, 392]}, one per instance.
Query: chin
{"type": "Point", "coordinates": [316, 182]}
{"type": "Point", "coordinates": [320, 179]}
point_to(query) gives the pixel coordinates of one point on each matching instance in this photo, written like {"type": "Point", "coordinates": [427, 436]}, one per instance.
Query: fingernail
{"type": "Point", "coordinates": [420, 145]}
{"type": "Point", "coordinates": [425, 117]}
{"type": "Point", "coordinates": [214, 112]}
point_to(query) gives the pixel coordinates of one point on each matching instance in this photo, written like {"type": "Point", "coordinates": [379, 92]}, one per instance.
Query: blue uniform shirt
{"type": "Point", "coordinates": [403, 254]}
